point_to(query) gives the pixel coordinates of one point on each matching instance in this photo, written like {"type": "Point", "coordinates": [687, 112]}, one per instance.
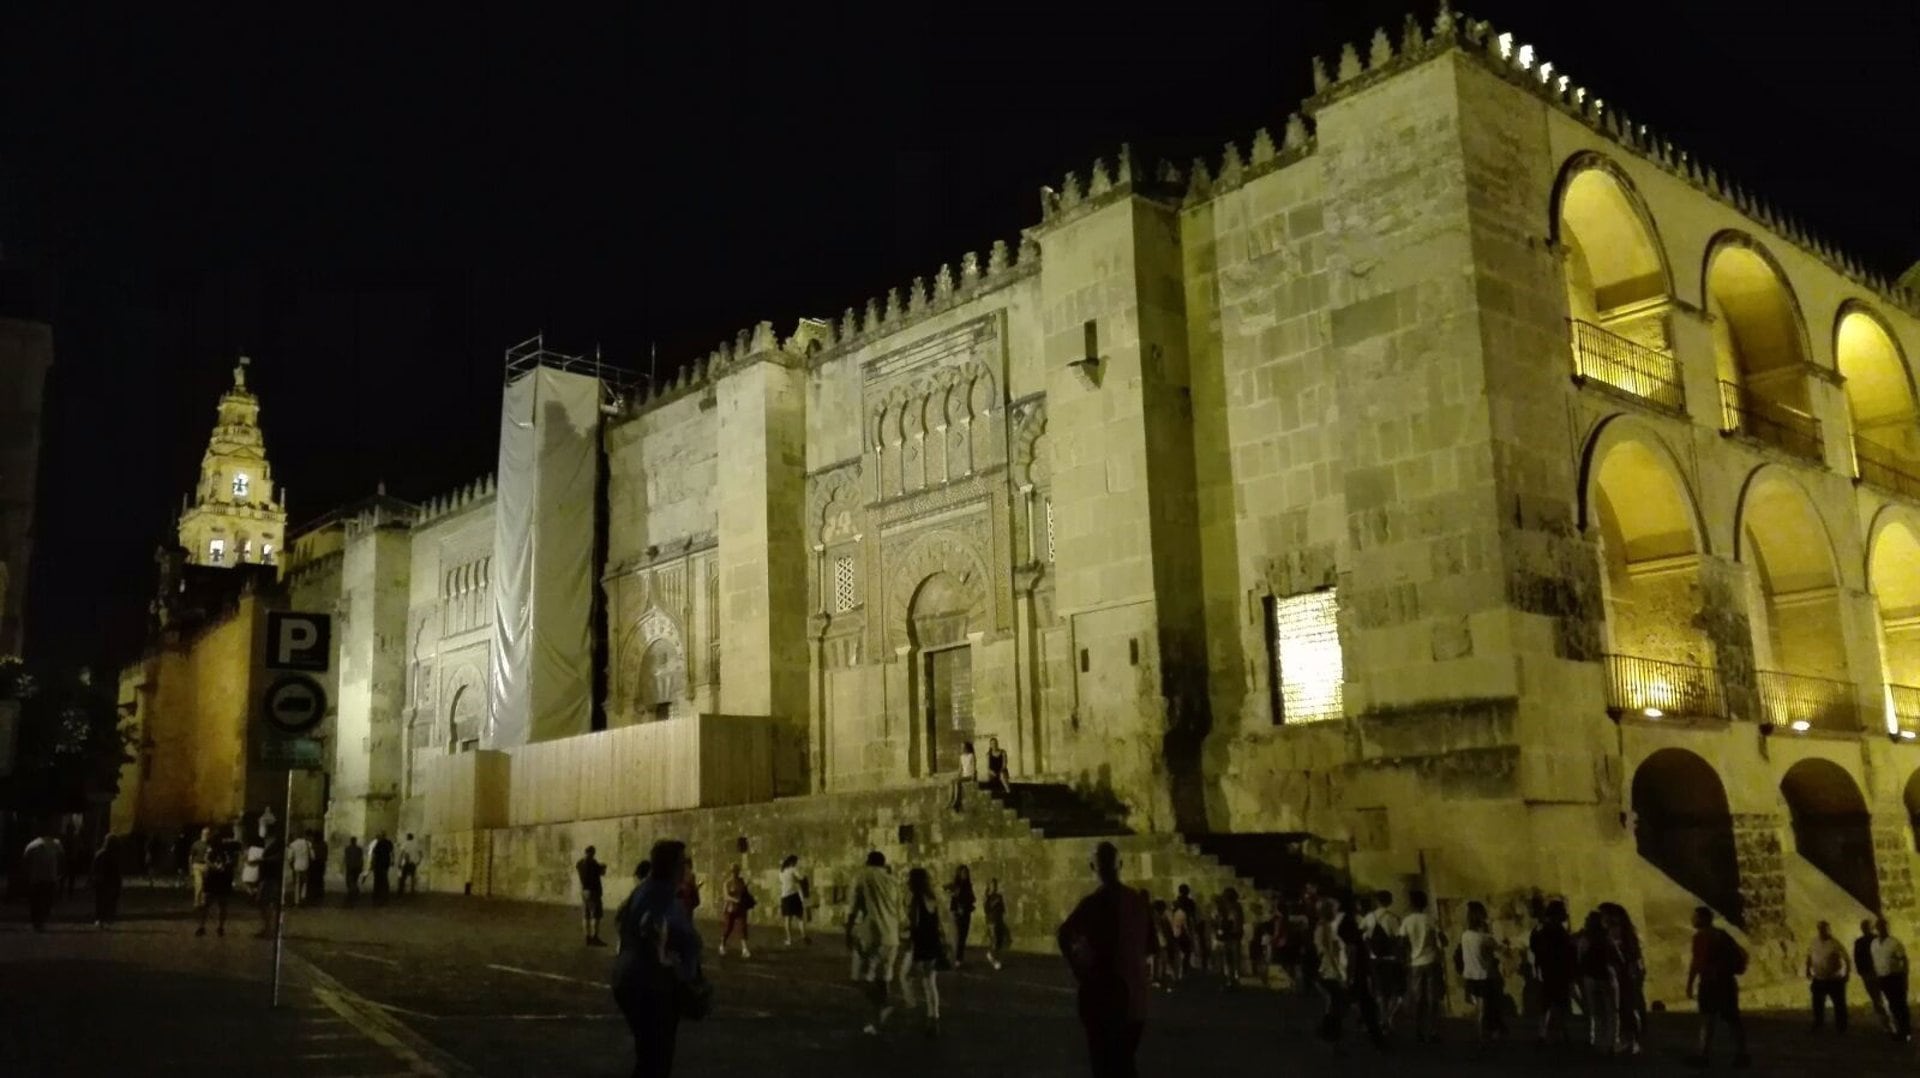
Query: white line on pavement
{"type": "Point", "coordinates": [548, 976]}
{"type": "Point", "coordinates": [372, 958]}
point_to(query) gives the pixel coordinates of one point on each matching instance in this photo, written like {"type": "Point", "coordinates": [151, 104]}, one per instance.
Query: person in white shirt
{"type": "Point", "coordinates": [1426, 980]}
{"type": "Point", "coordinates": [300, 859]}
{"type": "Point", "coordinates": [793, 899]}
{"type": "Point", "coordinates": [969, 773]}
{"type": "Point", "coordinates": [1827, 970]}
{"type": "Point", "coordinates": [411, 856]}
{"type": "Point", "coordinates": [1479, 958]}
{"type": "Point", "coordinates": [1380, 929]}
{"type": "Point", "coordinates": [1890, 966]}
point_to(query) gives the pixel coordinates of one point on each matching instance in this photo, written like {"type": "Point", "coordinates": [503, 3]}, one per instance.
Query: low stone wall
{"type": "Point", "coordinates": [832, 833]}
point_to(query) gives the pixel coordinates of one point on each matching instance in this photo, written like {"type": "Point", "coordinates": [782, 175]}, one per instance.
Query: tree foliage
{"type": "Point", "coordinates": [71, 740]}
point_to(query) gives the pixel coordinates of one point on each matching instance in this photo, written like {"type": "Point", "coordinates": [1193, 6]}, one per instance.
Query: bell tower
{"type": "Point", "coordinates": [234, 517]}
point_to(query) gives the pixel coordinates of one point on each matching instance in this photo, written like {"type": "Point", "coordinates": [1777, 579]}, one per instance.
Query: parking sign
{"type": "Point", "coordinates": [299, 641]}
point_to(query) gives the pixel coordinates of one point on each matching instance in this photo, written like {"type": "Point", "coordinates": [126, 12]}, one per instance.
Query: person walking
{"type": "Point", "coordinates": [999, 774]}
{"type": "Point", "coordinates": [1230, 933]}
{"type": "Point", "coordinates": [1633, 975]}
{"type": "Point", "coordinates": [106, 881]}
{"type": "Point", "coordinates": [1555, 962]}
{"type": "Point", "coordinates": [1426, 977]}
{"type": "Point", "coordinates": [998, 937]}
{"type": "Point", "coordinates": [1360, 972]}
{"type": "Point", "coordinates": [1479, 961]}
{"type": "Point", "coordinates": [736, 902]}
{"type": "Point", "coordinates": [1599, 967]}
{"type": "Point", "coordinates": [195, 863]}
{"type": "Point", "coordinates": [1386, 954]}
{"type": "Point", "coordinates": [300, 863]}
{"type": "Point", "coordinates": [591, 873]}
{"type": "Point", "coordinates": [216, 881]}
{"type": "Point", "coordinates": [412, 856]}
{"type": "Point", "coordinates": [256, 850]}
{"type": "Point", "coordinates": [1863, 967]}
{"type": "Point", "coordinates": [1182, 921]}
{"type": "Point", "coordinates": [317, 870]}
{"type": "Point", "coordinates": [42, 862]}
{"type": "Point", "coordinates": [960, 900]}
{"type": "Point", "coordinates": [353, 861]}
{"type": "Point", "coordinates": [927, 943]}
{"type": "Point", "coordinates": [1713, 978]}
{"type": "Point", "coordinates": [381, 856]}
{"type": "Point", "coordinates": [873, 935]}
{"type": "Point", "coordinates": [272, 885]}
{"type": "Point", "coordinates": [656, 977]}
{"type": "Point", "coordinates": [1827, 969]}
{"type": "Point", "coordinates": [1108, 941]}
{"type": "Point", "coordinates": [793, 899]}
{"type": "Point", "coordinates": [1890, 966]}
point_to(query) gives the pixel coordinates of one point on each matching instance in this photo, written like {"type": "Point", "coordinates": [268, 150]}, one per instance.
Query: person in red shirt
{"type": "Point", "coordinates": [1108, 940]}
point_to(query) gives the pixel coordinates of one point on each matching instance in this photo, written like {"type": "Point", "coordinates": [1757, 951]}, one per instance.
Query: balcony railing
{"type": "Point", "coordinates": [1795, 702]}
{"type": "Point", "coordinates": [1626, 365]}
{"type": "Point", "coordinates": [1886, 468]}
{"type": "Point", "coordinates": [1745, 412]}
{"type": "Point", "coordinates": [1659, 689]}
{"type": "Point", "coordinates": [1905, 703]}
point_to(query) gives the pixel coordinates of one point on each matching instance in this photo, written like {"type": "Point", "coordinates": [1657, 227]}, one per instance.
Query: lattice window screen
{"type": "Point", "coordinates": [845, 595]}
{"type": "Point", "coordinates": [1049, 530]}
{"type": "Point", "coordinates": [1307, 662]}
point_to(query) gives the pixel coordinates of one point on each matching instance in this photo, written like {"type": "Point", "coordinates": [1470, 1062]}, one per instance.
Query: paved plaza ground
{"type": "Point", "coordinates": [461, 986]}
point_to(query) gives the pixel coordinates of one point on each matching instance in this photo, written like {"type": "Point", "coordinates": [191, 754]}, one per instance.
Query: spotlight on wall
{"type": "Point", "coordinates": [1801, 726]}
{"type": "Point", "coordinates": [1652, 712]}
{"type": "Point", "coordinates": [1909, 735]}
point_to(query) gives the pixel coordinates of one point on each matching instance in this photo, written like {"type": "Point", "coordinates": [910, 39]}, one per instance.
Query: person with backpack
{"type": "Point", "coordinates": [736, 902]}
{"type": "Point", "coordinates": [1713, 978]}
{"type": "Point", "coordinates": [656, 975]}
{"type": "Point", "coordinates": [1386, 952]}
{"type": "Point", "coordinates": [1477, 958]}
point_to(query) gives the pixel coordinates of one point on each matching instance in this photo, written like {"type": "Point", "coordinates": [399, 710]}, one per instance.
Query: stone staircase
{"type": "Point", "coordinates": [1054, 810]}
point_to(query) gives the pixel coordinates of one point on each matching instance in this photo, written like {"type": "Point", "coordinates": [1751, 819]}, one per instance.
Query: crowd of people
{"type": "Point", "coordinates": [249, 857]}
{"type": "Point", "coordinates": [1365, 957]}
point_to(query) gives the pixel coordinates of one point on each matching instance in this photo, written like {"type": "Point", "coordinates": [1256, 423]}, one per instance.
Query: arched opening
{"type": "Point", "coordinates": [463, 720]}
{"type": "Point", "coordinates": [1886, 441]}
{"type": "Point", "coordinates": [1794, 607]}
{"type": "Point", "coordinates": [938, 621]}
{"type": "Point", "coordinates": [1660, 657]}
{"type": "Point", "coordinates": [1759, 349]}
{"type": "Point", "coordinates": [1683, 827]}
{"type": "Point", "coordinates": [659, 680]}
{"type": "Point", "coordinates": [1832, 828]}
{"type": "Point", "coordinates": [1618, 293]}
{"type": "Point", "coordinates": [1893, 572]}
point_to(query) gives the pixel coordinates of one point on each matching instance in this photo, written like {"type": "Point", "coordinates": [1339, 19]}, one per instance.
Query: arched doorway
{"type": "Point", "coordinates": [1893, 574]}
{"type": "Point", "coordinates": [938, 621]}
{"type": "Point", "coordinates": [1832, 828]}
{"type": "Point", "coordinates": [1794, 606]}
{"type": "Point", "coordinates": [463, 720]}
{"type": "Point", "coordinates": [1683, 827]}
{"type": "Point", "coordinates": [659, 680]}
{"type": "Point", "coordinates": [1886, 439]}
{"type": "Point", "coordinates": [1759, 349]}
{"type": "Point", "coordinates": [1660, 657]}
{"type": "Point", "coordinates": [1618, 293]}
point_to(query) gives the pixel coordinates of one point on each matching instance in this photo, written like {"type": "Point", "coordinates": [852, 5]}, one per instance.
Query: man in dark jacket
{"type": "Point", "coordinates": [1108, 940]}
{"type": "Point", "coordinates": [381, 854]}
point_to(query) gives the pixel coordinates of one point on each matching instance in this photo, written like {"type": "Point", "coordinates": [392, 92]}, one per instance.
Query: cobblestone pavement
{"type": "Point", "coordinates": [442, 984]}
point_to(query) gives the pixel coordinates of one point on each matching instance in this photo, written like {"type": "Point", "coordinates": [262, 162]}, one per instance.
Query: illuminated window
{"type": "Point", "coordinates": [217, 552]}
{"type": "Point", "coordinates": [240, 485]}
{"type": "Point", "coordinates": [266, 553]}
{"type": "Point", "coordinates": [246, 550]}
{"type": "Point", "coordinates": [1049, 530]}
{"type": "Point", "coordinates": [844, 595]}
{"type": "Point", "coordinates": [1304, 645]}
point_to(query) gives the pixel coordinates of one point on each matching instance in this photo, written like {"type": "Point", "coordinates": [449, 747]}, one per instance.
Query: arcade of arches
{"type": "Point", "coordinates": [1760, 354]}
{"type": "Point", "coordinates": [1880, 401]}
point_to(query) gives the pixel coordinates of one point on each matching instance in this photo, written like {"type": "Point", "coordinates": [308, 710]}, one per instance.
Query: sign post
{"type": "Point", "coordinates": [297, 645]}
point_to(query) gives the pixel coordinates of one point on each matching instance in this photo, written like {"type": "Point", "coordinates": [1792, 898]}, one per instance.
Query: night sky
{"type": "Point", "coordinates": [375, 204]}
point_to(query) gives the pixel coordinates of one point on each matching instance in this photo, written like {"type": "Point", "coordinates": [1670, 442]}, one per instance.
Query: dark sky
{"type": "Point", "coordinates": [374, 204]}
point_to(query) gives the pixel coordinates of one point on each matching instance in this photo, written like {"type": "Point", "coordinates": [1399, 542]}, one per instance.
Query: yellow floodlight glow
{"type": "Point", "coordinates": [1652, 712]}
{"type": "Point", "coordinates": [1801, 726]}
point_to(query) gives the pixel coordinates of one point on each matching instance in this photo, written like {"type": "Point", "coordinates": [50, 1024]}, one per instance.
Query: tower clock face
{"type": "Point", "coordinates": [241, 485]}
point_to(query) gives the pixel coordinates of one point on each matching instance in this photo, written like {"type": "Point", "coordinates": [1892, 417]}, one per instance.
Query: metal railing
{"type": "Point", "coordinates": [1627, 365]}
{"type": "Point", "coordinates": [1905, 703]}
{"type": "Point", "coordinates": [1746, 412]}
{"type": "Point", "coordinates": [1886, 468]}
{"type": "Point", "coordinates": [1798, 703]}
{"type": "Point", "coordinates": [1659, 689]}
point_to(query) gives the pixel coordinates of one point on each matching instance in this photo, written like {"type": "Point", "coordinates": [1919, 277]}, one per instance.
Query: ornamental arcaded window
{"type": "Point", "coordinates": [1303, 642]}
{"type": "Point", "coordinates": [845, 594]}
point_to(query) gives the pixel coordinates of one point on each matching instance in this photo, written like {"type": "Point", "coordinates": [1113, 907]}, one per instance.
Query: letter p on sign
{"type": "Point", "coordinates": [299, 641]}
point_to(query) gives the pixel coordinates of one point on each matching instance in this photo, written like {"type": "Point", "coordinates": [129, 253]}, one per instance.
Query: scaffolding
{"type": "Point", "coordinates": [617, 384]}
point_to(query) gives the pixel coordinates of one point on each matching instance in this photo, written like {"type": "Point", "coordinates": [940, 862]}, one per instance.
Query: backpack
{"type": "Point", "coordinates": [1736, 955]}
{"type": "Point", "coordinates": [1380, 942]}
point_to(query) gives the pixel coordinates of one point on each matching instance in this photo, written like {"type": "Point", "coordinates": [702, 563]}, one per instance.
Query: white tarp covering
{"type": "Point", "coordinates": [541, 683]}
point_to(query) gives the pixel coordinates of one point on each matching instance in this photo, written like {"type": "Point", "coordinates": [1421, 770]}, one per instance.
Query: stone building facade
{"type": "Point", "coordinates": [1467, 480]}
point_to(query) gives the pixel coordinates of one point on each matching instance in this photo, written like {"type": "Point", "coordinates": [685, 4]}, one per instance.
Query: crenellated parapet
{"type": "Point", "coordinates": [1204, 182]}
{"type": "Point", "coordinates": [1516, 62]}
{"type": "Point", "coordinates": [461, 498]}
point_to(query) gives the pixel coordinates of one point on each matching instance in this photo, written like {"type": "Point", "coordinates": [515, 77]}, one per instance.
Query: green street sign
{"type": "Point", "coordinates": [291, 753]}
